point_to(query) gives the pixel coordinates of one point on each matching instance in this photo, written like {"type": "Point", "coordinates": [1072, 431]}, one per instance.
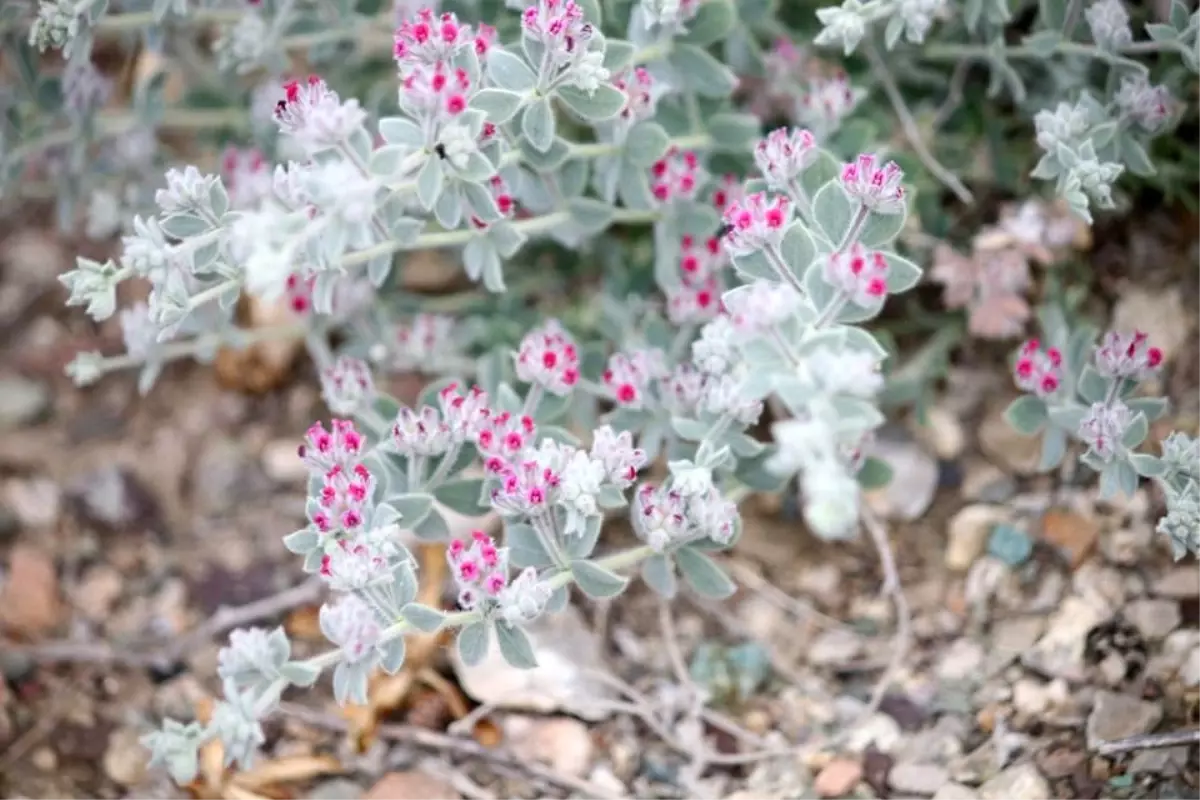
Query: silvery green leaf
{"type": "Point", "coordinates": [754, 266]}
{"type": "Point", "coordinates": [463, 496]}
{"type": "Point", "coordinates": [645, 143]}
{"type": "Point", "coordinates": [690, 429]}
{"type": "Point", "coordinates": [378, 269]}
{"type": "Point", "coordinates": [881, 229]}
{"type": "Point", "coordinates": [573, 177]}
{"type": "Point", "coordinates": [617, 55]}
{"type": "Point", "coordinates": [581, 545]}
{"type": "Point", "coordinates": [902, 274]}
{"type": "Point", "coordinates": [633, 186]}
{"type": "Point", "coordinates": [312, 561]}
{"type": "Point", "coordinates": [733, 133]}
{"type": "Point", "coordinates": [861, 340]}
{"type": "Point", "coordinates": [429, 183]}
{"type": "Point", "coordinates": [1118, 477]}
{"type": "Point", "coordinates": [558, 600]}
{"type": "Point", "coordinates": [405, 230]}
{"type": "Point", "coordinates": [525, 547]}
{"type": "Point", "coordinates": [299, 673]}
{"type": "Point", "coordinates": [797, 248]}
{"type": "Point", "coordinates": [302, 542]}
{"type": "Point", "coordinates": [506, 238]}
{"type": "Point", "coordinates": [592, 216]}
{"type": "Point", "coordinates": [510, 71]}
{"type": "Point", "coordinates": [874, 473]}
{"type": "Point", "coordinates": [833, 212]}
{"type": "Point", "coordinates": [432, 528]}
{"type": "Point", "coordinates": [1180, 14]}
{"type": "Point", "coordinates": [477, 169]}
{"type": "Point", "coordinates": [1135, 158]}
{"type": "Point", "coordinates": [500, 105]}
{"type": "Point", "coordinates": [392, 655]}
{"type": "Point", "coordinates": [548, 161]}
{"type": "Point", "coordinates": [603, 103]}
{"type": "Point", "coordinates": [610, 497]}
{"type": "Point", "coordinates": [413, 508]}
{"type": "Point", "coordinates": [404, 582]}
{"type": "Point", "coordinates": [490, 267]}
{"type": "Point", "coordinates": [712, 23]}
{"type": "Point", "coordinates": [1159, 32]}
{"type": "Point", "coordinates": [824, 169]}
{"type": "Point", "coordinates": [402, 131]}
{"type": "Point", "coordinates": [596, 581]}
{"type": "Point", "coordinates": [448, 209]}
{"type": "Point", "coordinates": [591, 12]}
{"type": "Point", "coordinates": [350, 682]}
{"type": "Point", "coordinates": [218, 199]}
{"type": "Point", "coordinates": [752, 472]}
{"type": "Point", "coordinates": [703, 574]}
{"type": "Point", "coordinates": [1066, 417]}
{"type": "Point", "coordinates": [176, 747]}
{"type": "Point", "coordinates": [697, 219]}
{"type": "Point", "coordinates": [1136, 433]}
{"type": "Point", "coordinates": [744, 446]}
{"type": "Point", "coordinates": [385, 161]}
{"type": "Point", "coordinates": [857, 412]}
{"type": "Point", "coordinates": [1054, 447]}
{"type": "Point", "coordinates": [422, 617]}
{"type": "Point", "coordinates": [472, 643]}
{"type": "Point", "coordinates": [537, 124]}
{"type": "Point", "coordinates": [1093, 387]}
{"type": "Point", "coordinates": [1152, 407]}
{"type": "Point", "coordinates": [1026, 414]}
{"type": "Point", "coordinates": [515, 646]}
{"type": "Point", "coordinates": [893, 31]}
{"type": "Point", "coordinates": [701, 72]}
{"type": "Point", "coordinates": [183, 226]}
{"type": "Point", "coordinates": [658, 571]}
{"type": "Point", "coordinates": [1043, 43]}
{"type": "Point", "coordinates": [1146, 465]}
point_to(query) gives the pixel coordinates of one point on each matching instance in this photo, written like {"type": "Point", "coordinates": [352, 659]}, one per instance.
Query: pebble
{"type": "Point", "coordinates": [1036, 700]}
{"type": "Point", "coordinates": [984, 482]}
{"type": "Point", "coordinates": [1010, 544]}
{"type": "Point", "coordinates": [1006, 447]}
{"type": "Point", "coordinates": [1059, 652]}
{"type": "Point", "coordinates": [281, 463]}
{"type": "Point", "coordinates": [112, 498]}
{"type": "Point", "coordinates": [835, 646]}
{"type": "Point", "coordinates": [98, 592]}
{"type": "Point", "coordinates": [943, 433]}
{"type": "Point", "coordinates": [956, 791]}
{"type": "Point", "coordinates": [838, 778]}
{"type": "Point", "coordinates": [22, 402]}
{"type": "Point", "coordinates": [410, 785]}
{"type": "Point", "coordinates": [879, 730]}
{"type": "Point", "coordinates": [1018, 782]}
{"type": "Point", "coordinates": [29, 601]}
{"type": "Point", "coordinates": [1073, 534]}
{"type": "Point", "coordinates": [45, 759]}
{"type": "Point", "coordinates": [961, 660]}
{"type": "Point", "coordinates": [1100, 584]}
{"type": "Point", "coordinates": [36, 502]}
{"type": "Point", "coordinates": [1116, 716]}
{"type": "Point", "coordinates": [1181, 583]}
{"type": "Point", "coordinates": [1129, 544]}
{"type": "Point", "coordinates": [1013, 636]}
{"type": "Point", "coordinates": [1154, 618]}
{"type": "Point", "coordinates": [562, 742]}
{"type": "Point", "coordinates": [968, 534]}
{"type": "Point", "coordinates": [914, 480]}
{"type": "Point", "coordinates": [335, 789]}
{"type": "Point", "coordinates": [917, 779]}
{"type": "Point", "coordinates": [125, 758]}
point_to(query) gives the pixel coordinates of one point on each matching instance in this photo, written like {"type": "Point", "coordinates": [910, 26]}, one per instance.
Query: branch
{"type": "Point", "coordinates": [1146, 741]}
{"type": "Point", "coordinates": [892, 587]}
{"type": "Point", "coordinates": [911, 131]}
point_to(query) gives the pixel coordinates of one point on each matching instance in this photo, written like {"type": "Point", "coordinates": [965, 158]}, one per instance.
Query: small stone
{"type": "Point", "coordinates": [1015, 635]}
{"type": "Point", "coordinates": [917, 779]}
{"type": "Point", "coordinates": [984, 482]}
{"type": "Point", "coordinates": [29, 601]}
{"type": "Point", "coordinates": [45, 759]}
{"type": "Point", "coordinates": [1189, 671]}
{"type": "Point", "coordinates": [1073, 534]}
{"type": "Point", "coordinates": [956, 791]}
{"type": "Point", "coordinates": [1059, 652]}
{"type": "Point", "coordinates": [1159, 314]}
{"type": "Point", "coordinates": [1180, 583]}
{"type": "Point", "coordinates": [914, 480]}
{"type": "Point", "coordinates": [125, 758]}
{"type": "Point", "coordinates": [22, 402]}
{"type": "Point", "coordinates": [1154, 618]}
{"type": "Point", "coordinates": [1100, 584]}
{"type": "Point", "coordinates": [1034, 699]}
{"type": "Point", "coordinates": [411, 785]}
{"type": "Point", "coordinates": [1129, 544]}
{"type": "Point", "coordinates": [835, 646]}
{"type": "Point", "coordinates": [561, 742]}
{"type": "Point", "coordinates": [36, 501]}
{"type": "Point", "coordinates": [943, 433]}
{"type": "Point", "coordinates": [1164, 761]}
{"type": "Point", "coordinates": [879, 731]}
{"type": "Point", "coordinates": [960, 661]}
{"type": "Point", "coordinates": [1010, 544]}
{"type": "Point", "coordinates": [968, 534]}
{"type": "Point", "coordinates": [838, 778]}
{"type": "Point", "coordinates": [1018, 782]}
{"type": "Point", "coordinates": [113, 499]}
{"type": "Point", "coordinates": [1117, 716]}
{"type": "Point", "coordinates": [281, 463]}
{"type": "Point", "coordinates": [98, 591]}
{"type": "Point", "coordinates": [1006, 447]}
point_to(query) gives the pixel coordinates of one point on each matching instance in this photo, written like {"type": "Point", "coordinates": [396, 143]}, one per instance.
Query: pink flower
{"type": "Point", "coordinates": [340, 446]}
{"type": "Point", "coordinates": [677, 176]}
{"type": "Point", "coordinates": [429, 39]}
{"type": "Point", "coordinates": [783, 155]}
{"type": "Point", "coordinates": [628, 376]}
{"type": "Point", "coordinates": [729, 189]}
{"type": "Point", "coordinates": [1124, 355]}
{"type": "Point", "coordinates": [637, 85]}
{"type": "Point", "coordinates": [246, 175]}
{"type": "Point", "coordinates": [505, 203]}
{"type": "Point", "coordinates": [547, 356]}
{"type": "Point", "coordinates": [437, 91]}
{"type": "Point", "coordinates": [1037, 370]}
{"type": "Point", "coordinates": [859, 273]}
{"type": "Point", "coordinates": [877, 188]}
{"type": "Point", "coordinates": [314, 115]}
{"type": "Point", "coordinates": [465, 415]}
{"type": "Point", "coordinates": [756, 222]}
{"type": "Point", "coordinates": [346, 385]}
{"type": "Point", "coordinates": [560, 26]}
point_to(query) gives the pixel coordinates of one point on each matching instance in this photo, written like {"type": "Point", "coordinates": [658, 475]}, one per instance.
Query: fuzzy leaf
{"type": "Point", "coordinates": [510, 71]}
{"type": "Point", "coordinates": [734, 133]}
{"type": "Point", "coordinates": [1026, 414]}
{"type": "Point", "coordinates": [701, 72]}
{"type": "Point", "coordinates": [832, 212]}
{"type": "Point", "coordinates": [1093, 387]}
{"type": "Point", "coordinates": [537, 124]}
{"type": "Point", "coordinates": [472, 643]}
{"type": "Point", "coordinates": [875, 474]}
{"type": "Point", "coordinates": [605, 102]}
{"type": "Point", "coordinates": [591, 215]}
{"type": "Point", "coordinates": [703, 574]}
{"type": "Point", "coordinates": [645, 143]}
{"type": "Point", "coordinates": [429, 183]}
{"type": "Point", "coordinates": [463, 496]}
{"type": "Point", "coordinates": [515, 646]}
{"type": "Point", "coordinates": [597, 582]}
{"type": "Point", "coordinates": [658, 572]}
{"type": "Point", "coordinates": [500, 105]}
{"type": "Point", "coordinates": [423, 618]}
{"type": "Point", "coordinates": [299, 673]}
{"type": "Point", "coordinates": [392, 655]}
{"type": "Point", "coordinates": [712, 23]}
{"type": "Point", "coordinates": [525, 548]}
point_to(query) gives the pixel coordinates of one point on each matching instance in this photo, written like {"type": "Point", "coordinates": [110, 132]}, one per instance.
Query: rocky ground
{"type": "Point", "coordinates": [1044, 621]}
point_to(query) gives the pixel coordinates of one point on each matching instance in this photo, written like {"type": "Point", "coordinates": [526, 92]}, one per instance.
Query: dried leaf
{"type": "Point", "coordinates": [287, 770]}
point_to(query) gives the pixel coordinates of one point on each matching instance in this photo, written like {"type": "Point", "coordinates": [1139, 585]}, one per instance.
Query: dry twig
{"type": "Point", "coordinates": [892, 587]}
{"type": "Point", "coordinates": [1147, 741]}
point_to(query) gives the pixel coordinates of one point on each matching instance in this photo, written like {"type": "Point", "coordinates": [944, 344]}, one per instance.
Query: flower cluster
{"type": "Point", "coordinates": [1038, 369]}
{"type": "Point", "coordinates": [677, 177]}
{"type": "Point", "coordinates": [678, 512]}
{"type": "Point", "coordinates": [548, 358]}
{"type": "Point", "coordinates": [696, 298]}
{"type": "Point", "coordinates": [877, 188]}
{"type": "Point", "coordinates": [480, 569]}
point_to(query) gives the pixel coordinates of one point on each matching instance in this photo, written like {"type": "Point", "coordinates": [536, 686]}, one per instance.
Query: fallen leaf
{"type": "Point", "coordinates": [287, 770]}
{"type": "Point", "coordinates": [410, 785]}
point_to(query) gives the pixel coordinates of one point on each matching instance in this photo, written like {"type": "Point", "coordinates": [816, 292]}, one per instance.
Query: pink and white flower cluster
{"type": "Point", "coordinates": [1037, 370]}
{"type": "Point", "coordinates": [1103, 428]}
{"type": "Point", "coordinates": [1127, 355]}
{"type": "Point", "coordinates": [756, 222]}
{"type": "Point", "coordinates": [480, 570]}
{"type": "Point", "coordinates": [433, 84]}
{"type": "Point", "coordinates": [676, 176]}
{"type": "Point", "coordinates": [860, 274]}
{"type": "Point", "coordinates": [877, 188]}
{"type": "Point", "coordinates": [548, 358]}
{"type": "Point", "coordinates": [420, 341]}
{"type": "Point", "coordinates": [670, 515]}
{"type": "Point", "coordinates": [313, 115]}
{"type": "Point", "coordinates": [630, 375]}
{"type": "Point", "coordinates": [347, 386]}
{"type": "Point", "coordinates": [560, 28]}
{"type": "Point", "coordinates": [697, 296]}
{"type": "Point", "coordinates": [783, 155]}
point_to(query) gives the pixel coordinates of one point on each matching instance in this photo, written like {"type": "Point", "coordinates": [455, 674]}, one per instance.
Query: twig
{"type": "Point", "coordinates": [1147, 741]}
{"type": "Point", "coordinates": [225, 618]}
{"type": "Point", "coordinates": [432, 740]}
{"type": "Point", "coordinates": [892, 587]}
{"type": "Point", "coordinates": [911, 131]}
{"type": "Point", "coordinates": [698, 757]}
{"type": "Point", "coordinates": [954, 96]}
{"type": "Point", "coordinates": [781, 599]}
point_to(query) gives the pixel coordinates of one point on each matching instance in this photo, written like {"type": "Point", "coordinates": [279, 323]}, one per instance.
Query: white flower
{"type": "Point", "coordinates": [589, 72]}
{"type": "Point", "coordinates": [351, 625]}
{"type": "Point", "coordinates": [1109, 23]}
{"type": "Point", "coordinates": [831, 499]}
{"type": "Point", "coordinates": [715, 351]}
{"type": "Point", "coordinates": [849, 372]}
{"type": "Point", "coordinates": [579, 484]}
{"type": "Point", "coordinates": [690, 479]}
{"type": "Point", "coordinates": [187, 190]}
{"type": "Point", "coordinates": [457, 143]}
{"type": "Point", "coordinates": [525, 597]}
{"type": "Point", "coordinates": [844, 25]}
{"type": "Point", "coordinates": [918, 16]}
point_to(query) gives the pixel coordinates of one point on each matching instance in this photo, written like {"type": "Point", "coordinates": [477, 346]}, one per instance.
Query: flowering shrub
{"type": "Point", "coordinates": [550, 125]}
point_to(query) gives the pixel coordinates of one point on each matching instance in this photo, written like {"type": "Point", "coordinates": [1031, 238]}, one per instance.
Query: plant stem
{"type": "Point", "coordinates": [190, 347]}
{"type": "Point", "coordinates": [982, 52]}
